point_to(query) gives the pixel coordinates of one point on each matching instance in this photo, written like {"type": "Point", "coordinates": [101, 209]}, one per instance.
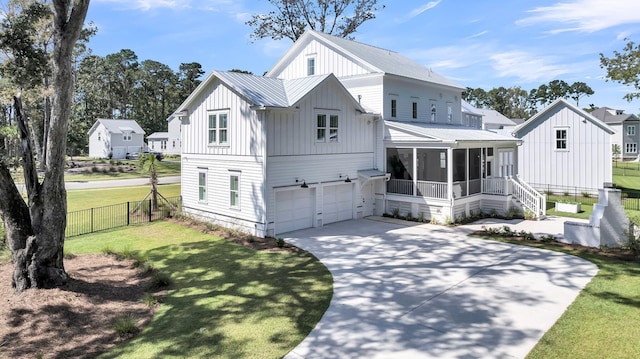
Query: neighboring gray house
{"type": "Point", "coordinates": [564, 147]}
{"type": "Point", "coordinates": [627, 130]}
{"type": "Point", "coordinates": [169, 142]}
{"type": "Point", "coordinates": [115, 137]}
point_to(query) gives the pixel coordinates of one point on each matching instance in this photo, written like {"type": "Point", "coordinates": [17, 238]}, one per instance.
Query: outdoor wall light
{"type": "Point", "coordinates": [304, 183]}
{"type": "Point", "coordinates": [347, 180]}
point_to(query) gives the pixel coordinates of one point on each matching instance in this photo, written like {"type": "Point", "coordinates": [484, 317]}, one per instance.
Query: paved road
{"type": "Point", "coordinates": [427, 291]}
{"type": "Point", "coordinates": [119, 183]}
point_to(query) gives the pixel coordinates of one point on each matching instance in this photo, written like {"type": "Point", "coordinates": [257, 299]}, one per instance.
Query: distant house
{"type": "Point", "coordinates": [564, 148]}
{"type": "Point", "coordinates": [169, 142]}
{"type": "Point", "coordinates": [338, 130]}
{"type": "Point", "coordinates": [627, 130]}
{"type": "Point", "coordinates": [109, 138]}
{"type": "Point", "coordinates": [487, 119]}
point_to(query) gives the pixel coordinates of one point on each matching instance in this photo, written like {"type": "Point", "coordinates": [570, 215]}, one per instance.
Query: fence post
{"type": "Point", "coordinates": [91, 220]}
{"type": "Point", "coordinates": [128, 213]}
{"type": "Point", "coordinates": [149, 210]}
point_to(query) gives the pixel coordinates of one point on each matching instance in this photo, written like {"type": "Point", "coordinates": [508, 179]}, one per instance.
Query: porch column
{"type": "Point", "coordinates": [450, 173]}
{"type": "Point", "coordinates": [415, 171]}
{"type": "Point", "coordinates": [466, 166]}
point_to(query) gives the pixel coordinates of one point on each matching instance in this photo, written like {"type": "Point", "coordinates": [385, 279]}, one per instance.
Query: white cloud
{"type": "Point", "coordinates": [584, 15]}
{"type": "Point", "coordinates": [527, 67]}
{"type": "Point", "coordinates": [479, 34]}
{"type": "Point", "coordinates": [419, 10]}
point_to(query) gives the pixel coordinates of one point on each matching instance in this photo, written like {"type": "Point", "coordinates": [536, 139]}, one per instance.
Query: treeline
{"type": "Point", "coordinates": [518, 103]}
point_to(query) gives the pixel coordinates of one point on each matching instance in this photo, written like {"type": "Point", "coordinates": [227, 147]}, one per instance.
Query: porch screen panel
{"type": "Point", "coordinates": [460, 173]}
{"type": "Point", "coordinates": [400, 163]}
{"type": "Point", "coordinates": [475, 170]}
{"type": "Point", "coordinates": [430, 163]}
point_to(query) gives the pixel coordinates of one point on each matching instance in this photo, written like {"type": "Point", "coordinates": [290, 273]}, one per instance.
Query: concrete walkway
{"type": "Point", "coordinates": [428, 291]}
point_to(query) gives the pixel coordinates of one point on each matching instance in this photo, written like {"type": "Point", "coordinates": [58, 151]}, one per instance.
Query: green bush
{"type": "Point", "coordinates": [125, 325]}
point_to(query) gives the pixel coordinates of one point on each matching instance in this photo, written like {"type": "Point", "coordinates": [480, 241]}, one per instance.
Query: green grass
{"type": "Point", "coordinates": [225, 300]}
{"type": "Point", "coordinates": [98, 197]}
{"type": "Point", "coordinates": [603, 320]}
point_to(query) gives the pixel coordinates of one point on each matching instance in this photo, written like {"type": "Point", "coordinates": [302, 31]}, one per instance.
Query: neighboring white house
{"type": "Point", "coordinates": [338, 130]}
{"type": "Point", "coordinates": [169, 142]}
{"type": "Point", "coordinates": [627, 130]}
{"type": "Point", "coordinates": [564, 147]}
{"type": "Point", "coordinates": [115, 138]}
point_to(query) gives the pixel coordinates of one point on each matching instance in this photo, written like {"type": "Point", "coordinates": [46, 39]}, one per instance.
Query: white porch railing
{"type": "Point", "coordinates": [495, 186]}
{"type": "Point", "coordinates": [529, 197]}
{"type": "Point", "coordinates": [433, 189]}
{"type": "Point", "coordinates": [399, 186]}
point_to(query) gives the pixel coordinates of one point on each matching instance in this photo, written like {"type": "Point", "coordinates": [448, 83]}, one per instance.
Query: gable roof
{"type": "Point", "coordinates": [610, 115]}
{"type": "Point", "coordinates": [117, 126]}
{"type": "Point", "coordinates": [266, 92]}
{"type": "Point", "coordinates": [158, 135]}
{"type": "Point", "coordinates": [445, 133]}
{"type": "Point", "coordinates": [562, 102]}
{"type": "Point", "coordinates": [375, 59]}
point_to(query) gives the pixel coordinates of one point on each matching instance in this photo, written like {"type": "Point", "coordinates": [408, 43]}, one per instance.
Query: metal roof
{"type": "Point", "coordinates": [259, 90]}
{"type": "Point", "coordinates": [444, 133]}
{"type": "Point", "coordinates": [118, 126]}
{"type": "Point", "coordinates": [159, 135]}
{"type": "Point", "coordinates": [386, 61]}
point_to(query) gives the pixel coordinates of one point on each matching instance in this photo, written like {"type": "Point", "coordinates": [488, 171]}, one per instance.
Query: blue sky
{"type": "Point", "coordinates": [477, 43]}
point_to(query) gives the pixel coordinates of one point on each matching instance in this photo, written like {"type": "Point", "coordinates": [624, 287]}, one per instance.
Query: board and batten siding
{"type": "Point", "coordinates": [245, 135]}
{"type": "Point", "coordinates": [405, 92]}
{"type": "Point", "coordinates": [250, 215]}
{"type": "Point", "coordinates": [327, 61]}
{"type": "Point", "coordinates": [293, 133]}
{"type": "Point", "coordinates": [369, 88]}
{"type": "Point", "coordinates": [586, 163]}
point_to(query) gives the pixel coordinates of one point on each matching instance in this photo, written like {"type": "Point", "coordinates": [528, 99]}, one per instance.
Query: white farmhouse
{"type": "Point", "coordinates": [339, 130]}
{"type": "Point", "coordinates": [168, 143]}
{"type": "Point", "coordinates": [564, 149]}
{"type": "Point", "coordinates": [115, 138]}
{"type": "Point", "coordinates": [627, 130]}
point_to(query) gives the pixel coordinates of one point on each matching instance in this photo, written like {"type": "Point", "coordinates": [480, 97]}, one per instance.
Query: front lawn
{"type": "Point", "coordinates": [225, 301]}
{"type": "Point", "coordinates": [97, 197]}
{"type": "Point", "coordinates": [100, 169]}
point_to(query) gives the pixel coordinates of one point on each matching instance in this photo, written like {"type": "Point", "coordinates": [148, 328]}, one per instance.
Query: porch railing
{"type": "Point", "coordinates": [529, 197]}
{"type": "Point", "coordinates": [495, 186]}
{"type": "Point", "coordinates": [399, 186]}
{"type": "Point", "coordinates": [433, 189]}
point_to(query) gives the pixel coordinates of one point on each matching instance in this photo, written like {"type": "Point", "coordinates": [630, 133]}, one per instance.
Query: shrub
{"type": "Point", "coordinates": [434, 220]}
{"type": "Point", "coordinates": [506, 231]}
{"type": "Point", "coordinates": [634, 244]}
{"type": "Point", "coordinates": [95, 169]}
{"type": "Point", "coordinates": [565, 193]}
{"type": "Point", "coordinates": [548, 193]}
{"type": "Point", "coordinates": [125, 325]}
{"type": "Point", "coordinates": [586, 194]}
{"type": "Point", "coordinates": [528, 214]}
{"type": "Point", "coordinates": [548, 238]}
{"type": "Point", "coordinates": [149, 300]}
{"type": "Point", "coordinates": [448, 221]}
{"type": "Point", "coordinates": [395, 213]}
{"type": "Point", "coordinates": [421, 217]}
{"type": "Point", "coordinates": [279, 242]}
{"type": "Point", "coordinates": [113, 169]}
{"type": "Point", "coordinates": [107, 250]}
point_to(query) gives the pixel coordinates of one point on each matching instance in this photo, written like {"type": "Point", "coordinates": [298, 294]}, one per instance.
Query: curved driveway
{"type": "Point", "coordinates": [428, 291]}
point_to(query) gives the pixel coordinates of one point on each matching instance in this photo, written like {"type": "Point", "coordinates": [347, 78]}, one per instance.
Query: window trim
{"type": "Point", "coordinates": [126, 136]}
{"type": "Point", "coordinates": [629, 144]}
{"type": "Point", "coordinates": [557, 140]}
{"type": "Point", "coordinates": [414, 110]}
{"type": "Point", "coordinates": [433, 112]}
{"type": "Point", "coordinates": [311, 65]}
{"type": "Point", "coordinates": [631, 127]}
{"type": "Point", "coordinates": [394, 108]}
{"type": "Point", "coordinates": [237, 191]}
{"type": "Point", "coordinates": [217, 130]}
{"type": "Point", "coordinates": [202, 187]}
{"type": "Point", "coordinates": [450, 112]}
{"type": "Point", "coordinates": [327, 128]}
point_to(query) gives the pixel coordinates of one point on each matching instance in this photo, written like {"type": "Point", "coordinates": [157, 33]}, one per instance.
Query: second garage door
{"type": "Point", "coordinates": [294, 209]}
{"type": "Point", "coordinates": [337, 203]}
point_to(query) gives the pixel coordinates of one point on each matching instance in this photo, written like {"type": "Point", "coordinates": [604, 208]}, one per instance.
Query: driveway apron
{"type": "Point", "coordinates": [429, 291]}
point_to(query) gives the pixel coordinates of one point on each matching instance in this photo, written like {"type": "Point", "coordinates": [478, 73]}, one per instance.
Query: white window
{"type": "Point", "coordinates": [631, 130]}
{"type": "Point", "coordinates": [163, 145]}
{"type": "Point", "coordinates": [99, 135]}
{"type": "Point", "coordinates": [126, 137]}
{"type": "Point", "coordinates": [449, 112]}
{"type": "Point", "coordinates": [202, 185]}
{"type": "Point", "coordinates": [234, 191]}
{"type": "Point", "coordinates": [631, 148]}
{"type": "Point", "coordinates": [174, 143]}
{"type": "Point", "coordinates": [311, 66]}
{"type": "Point", "coordinates": [218, 128]}
{"type": "Point", "coordinates": [153, 145]}
{"type": "Point", "coordinates": [327, 127]}
{"type": "Point", "coordinates": [414, 110]}
{"type": "Point", "coordinates": [561, 138]}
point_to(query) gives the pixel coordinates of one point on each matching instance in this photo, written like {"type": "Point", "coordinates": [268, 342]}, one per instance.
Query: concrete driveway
{"type": "Point", "coordinates": [429, 291]}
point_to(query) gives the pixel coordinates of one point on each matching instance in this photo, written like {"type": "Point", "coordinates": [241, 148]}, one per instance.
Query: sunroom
{"type": "Point", "coordinates": [448, 172]}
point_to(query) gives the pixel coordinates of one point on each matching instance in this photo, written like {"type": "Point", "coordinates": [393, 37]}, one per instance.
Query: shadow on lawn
{"type": "Point", "coordinates": [228, 300]}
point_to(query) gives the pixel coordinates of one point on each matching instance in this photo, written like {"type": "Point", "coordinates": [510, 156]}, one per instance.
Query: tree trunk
{"type": "Point", "coordinates": [35, 231]}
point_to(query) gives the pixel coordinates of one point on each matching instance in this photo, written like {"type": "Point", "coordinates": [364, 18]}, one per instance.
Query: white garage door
{"type": "Point", "coordinates": [294, 209]}
{"type": "Point", "coordinates": [338, 203]}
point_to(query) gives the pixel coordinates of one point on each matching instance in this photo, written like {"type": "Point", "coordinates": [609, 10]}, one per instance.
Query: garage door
{"type": "Point", "coordinates": [294, 209]}
{"type": "Point", "coordinates": [338, 203]}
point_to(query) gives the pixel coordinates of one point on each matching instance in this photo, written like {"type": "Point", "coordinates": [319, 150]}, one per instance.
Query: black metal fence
{"type": "Point", "coordinates": [119, 215]}
{"type": "Point", "coordinates": [587, 196]}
